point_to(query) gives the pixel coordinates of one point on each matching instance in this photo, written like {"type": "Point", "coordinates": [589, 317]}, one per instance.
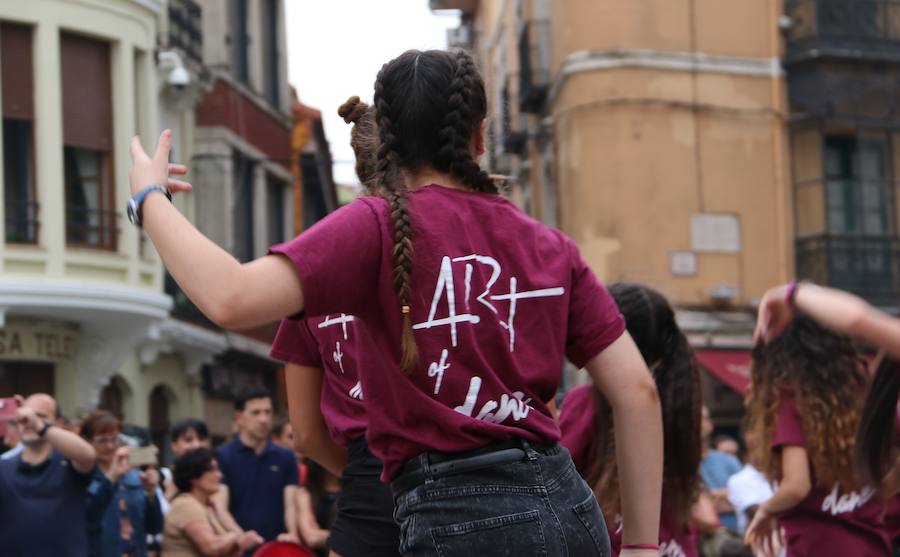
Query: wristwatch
{"type": "Point", "coordinates": [135, 203]}
{"type": "Point", "coordinates": [43, 431]}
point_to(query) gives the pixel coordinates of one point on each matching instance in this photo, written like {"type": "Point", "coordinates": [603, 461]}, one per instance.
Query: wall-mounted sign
{"type": "Point", "coordinates": [27, 341]}
{"type": "Point", "coordinates": [715, 232]}
{"type": "Point", "coordinates": [683, 264]}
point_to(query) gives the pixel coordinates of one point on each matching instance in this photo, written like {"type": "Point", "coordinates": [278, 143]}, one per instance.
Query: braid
{"type": "Point", "coordinates": [457, 128]}
{"type": "Point", "coordinates": [403, 253]}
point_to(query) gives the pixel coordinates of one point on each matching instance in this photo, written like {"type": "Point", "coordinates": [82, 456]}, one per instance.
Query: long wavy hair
{"type": "Point", "coordinates": [664, 347]}
{"type": "Point", "coordinates": [876, 435]}
{"type": "Point", "coordinates": [824, 374]}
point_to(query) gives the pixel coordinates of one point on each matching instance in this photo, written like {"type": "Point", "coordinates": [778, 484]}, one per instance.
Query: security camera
{"type": "Point", "coordinates": [178, 75]}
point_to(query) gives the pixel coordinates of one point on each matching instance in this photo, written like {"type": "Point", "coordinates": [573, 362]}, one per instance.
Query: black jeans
{"type": "Point", "coordinates": [536, 506]}
{"type": "Point", "coordinates": [365, 523]}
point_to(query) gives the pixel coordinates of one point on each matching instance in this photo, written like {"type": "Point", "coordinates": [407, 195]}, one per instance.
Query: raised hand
{"type": "Point", "coordinates": [156, 170]}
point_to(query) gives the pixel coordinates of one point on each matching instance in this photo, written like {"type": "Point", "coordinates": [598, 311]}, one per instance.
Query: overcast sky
{"type": "Point", "coordinates": [336, 47]}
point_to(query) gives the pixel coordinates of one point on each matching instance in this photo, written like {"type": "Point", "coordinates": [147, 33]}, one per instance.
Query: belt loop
{"type": "Point", "coordinates": [425, 464]}
{"type": "Point", "coordinates": [529, 451]}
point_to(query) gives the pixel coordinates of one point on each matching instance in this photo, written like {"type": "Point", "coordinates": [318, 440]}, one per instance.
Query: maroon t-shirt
{"type": "Point", "coordinates": [844, 523]}
{"type": "Point", "coordinates": [577, 421]}
{"type": "Point", "coordinates": [498, 301]}
{"type": "Point", "coordinates": [334, 343]}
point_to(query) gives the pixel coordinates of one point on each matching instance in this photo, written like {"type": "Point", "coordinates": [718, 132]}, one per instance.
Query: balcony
{"type": "Point", "coordinates": [865, 265]}
{"type": "Point", "coordinates": [858, 29]}
{"type": "Point", "coordinates": [185, 29]}
{"type": "Point", "coordinates": [22, 223]}
{"type": "Point", "coordinates": [534, 65]}
{"type": "Point", "coordinates": [91, 227]}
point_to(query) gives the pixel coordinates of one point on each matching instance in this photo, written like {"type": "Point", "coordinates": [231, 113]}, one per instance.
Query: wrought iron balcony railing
{"type": "Point", "coordinates": [89, 227]}
{"type": "Point", "coordinates": [868, 29]}
{"type": "Point", "coordinates": [866, 265]}
{"type": "Point", "coordinates": [22, 224]}
{"type": "Point", "coordinates": [185, 28]}
{"type": "Point", "coordinates": [534, 65]}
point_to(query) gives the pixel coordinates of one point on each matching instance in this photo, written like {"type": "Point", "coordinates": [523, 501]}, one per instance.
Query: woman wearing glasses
{"type": "Point", "coordinates": [122, 507]}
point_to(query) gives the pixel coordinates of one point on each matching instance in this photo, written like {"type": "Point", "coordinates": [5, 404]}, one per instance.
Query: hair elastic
{"type": "Point", "coordinates": [404, 310]}
{"type": "Point", "coordinates": [791, 293]}
{"type": "Point", "coordinates": [650, 546]}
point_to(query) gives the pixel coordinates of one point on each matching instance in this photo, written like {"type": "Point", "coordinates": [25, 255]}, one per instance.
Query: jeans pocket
{"type": "Point", "coordinates": [513, 534]}
{"type": "Point", "coordinates": [590, 515]}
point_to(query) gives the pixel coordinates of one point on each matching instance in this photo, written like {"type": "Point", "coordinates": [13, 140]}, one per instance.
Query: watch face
{"type": "Point", "coordinates": [132, 211]}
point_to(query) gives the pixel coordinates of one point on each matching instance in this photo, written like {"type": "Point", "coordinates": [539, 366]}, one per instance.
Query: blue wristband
{"type": "Point", "coordinates": [137, 201]}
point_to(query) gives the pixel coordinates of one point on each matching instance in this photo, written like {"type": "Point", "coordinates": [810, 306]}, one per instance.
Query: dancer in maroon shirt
{"type": "Point", "coordinates": [807, 388]}
{"type": "Point", "coordinates": [588, 429]}
{"type": "Point", "coordinates": [471, 306]}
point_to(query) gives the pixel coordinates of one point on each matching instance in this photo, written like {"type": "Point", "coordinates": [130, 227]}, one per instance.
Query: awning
{"type": "Point", "coordinates": [731, 367]}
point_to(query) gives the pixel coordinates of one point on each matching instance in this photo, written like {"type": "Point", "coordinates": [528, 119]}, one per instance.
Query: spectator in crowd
{"type": "Point", "coordinates": [192, 528]}
{"type": "Point", "coordinates": [42, 490]}
{"type": "Point", "coordinates": [122, 501]}
{"type": "Point", "coordinates": [261, 476]}
{"type": "Point", "coordinates": [283, 436]}
{"type": "Point", "coordinates": [317, 507]}
{"type": "Point", "coordinates": [283, 433]}
{"type": "Point", "coordinates": [189, 434]}
{"type": "Point", "coordinates": [726, 444]}
{"type": "Point", "coordinates": [715, 470]}
{"type": "Point", "coordinates": [749, 488]}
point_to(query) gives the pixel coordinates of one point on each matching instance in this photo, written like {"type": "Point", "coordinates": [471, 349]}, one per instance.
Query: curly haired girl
{"type": "Point", "coordinates": [807, 385]}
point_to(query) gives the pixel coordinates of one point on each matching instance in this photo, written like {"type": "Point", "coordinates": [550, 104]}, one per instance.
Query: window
{"type": "Point", "coordinates": [20, 199]}
{"type": "Point", "coordinates": [239, 40]}
{"type": "Point", "coordinates": [91, 218]}
{"type": "Point", "coordinates": [275, 190]}
{"type": "Point", "coordinates": [856, 172]}
{"type": "Point", "coordinates": [271, 59]}
{"type": "Point", "coordinates": [26, 378]}
{"type": "Point", "coordinates": [242, 211]}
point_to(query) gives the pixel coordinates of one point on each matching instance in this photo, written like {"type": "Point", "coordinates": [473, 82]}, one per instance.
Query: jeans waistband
{"type": "Point", "coordinates": [431, 465]}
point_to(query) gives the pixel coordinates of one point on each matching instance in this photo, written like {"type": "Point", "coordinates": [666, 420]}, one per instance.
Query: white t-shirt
{"type": "Point", "coordinates": [745, 489]}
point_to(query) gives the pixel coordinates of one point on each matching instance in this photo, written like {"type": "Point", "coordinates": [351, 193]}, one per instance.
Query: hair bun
{"type": "Point", "coordinates": [352, 110]}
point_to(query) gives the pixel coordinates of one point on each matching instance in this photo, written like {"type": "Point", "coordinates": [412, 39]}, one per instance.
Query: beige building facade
{"type": "Point", "coordinates": [84, 315]}
{"type": "Point", "coordinates": [706, 148]}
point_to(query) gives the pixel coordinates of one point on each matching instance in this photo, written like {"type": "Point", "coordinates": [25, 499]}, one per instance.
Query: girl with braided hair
{"type": "Point", "coordinates": [328, 413]}
{"type": "Point", "coordinates": [587, 423]}
{"type": "Point", "coordinates": [471, 307]}
{"type": "Point", "coordinates": [807, 386]}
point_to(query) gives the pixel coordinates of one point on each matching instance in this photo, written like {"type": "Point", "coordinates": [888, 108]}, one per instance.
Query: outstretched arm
{"type": "Point", "coordinates": [622, 376]}
{"type": "Point", "coordinates": [840, 311]}
{"type": "Point", "coordinates": [233, 295]}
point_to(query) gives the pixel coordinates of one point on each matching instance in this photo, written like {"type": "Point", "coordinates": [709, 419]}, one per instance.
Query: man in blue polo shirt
{"type": "Point", "coordinates": [260, 475]}
{"type": "Point", "coordinates": [42, 490]}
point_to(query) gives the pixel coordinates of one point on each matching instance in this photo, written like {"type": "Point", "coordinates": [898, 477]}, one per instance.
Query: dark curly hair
{"type": "Point", "coordinates": [664, 347]}
{"type": "Point", "coordinates": [825, 375]}
{"type": "Point", "coordinates": [191, 466]}
{"type": "Point", "coordinates": [428, 107]}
